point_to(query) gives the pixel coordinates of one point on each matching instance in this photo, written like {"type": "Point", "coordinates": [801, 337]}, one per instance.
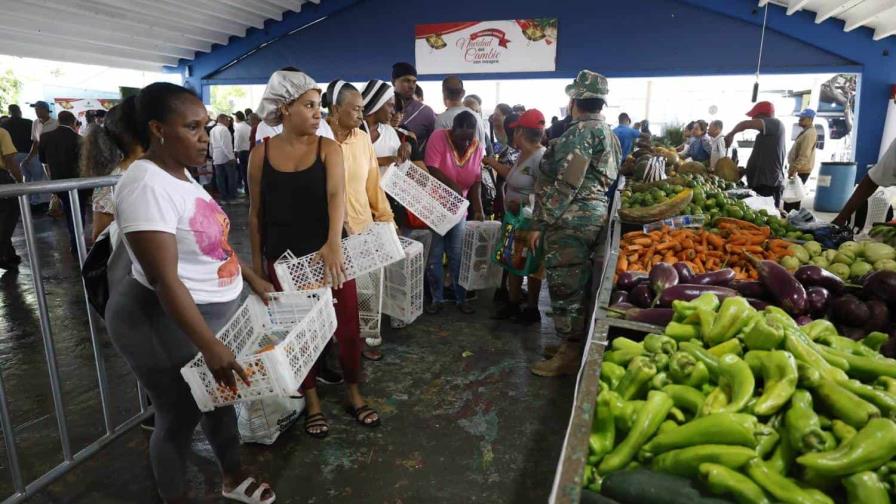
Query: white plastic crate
{"type": "Point", "coordinates": [373, 249]}
{"type": "Point", "coordinates": [878, 205]}
{"type": "Point", "coordinates": [432, 201]}
{"type": "Point", "coordinates": [297, 325]}
{"type": "Point", "coordinates": [370, 304]}
{"type": "Point", "coordinates": [477, 269]}
{"type": "Point", "coordinates": [403, 284]}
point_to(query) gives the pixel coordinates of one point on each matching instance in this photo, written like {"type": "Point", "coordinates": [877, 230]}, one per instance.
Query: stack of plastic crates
{"type": "Point", "coordinates": [477, 269]}
{"type": "Point", "coordinates": [878, 205]}
{"type": "Point", "coordinates": [371, 250]}
{"type": "Point", "coordinates": [276, 344]}
{"type": "Point", "coordinates": [403, 289]}
{"type": "Point", "coordinates": [370, 305]}
{"type": "Point", "coordinates": [432, 201]}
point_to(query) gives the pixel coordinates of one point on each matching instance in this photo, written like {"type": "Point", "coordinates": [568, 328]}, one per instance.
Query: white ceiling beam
{"type": "Point", "coordinates": [77, 12]}
{"type": "Point", "coordinates": [45, 39]}
{"type": "Point", "coordinates": [884, 32]}
{"type": "Point", "coordinates": [851, 25]}
{"type": "Point", "coordinates": [56, 54]}
{"type": "Point", "coordinates": [175, 15]}
{"type": "Point", "coordinates": [200, 12]}
{"type": "Point", "coordinates": [13, 25]}
{"type": "Point", "coordinates": [262, 9]}
{"type": "Point", "coordinates": [290, 5]}
{"type": "Point", "coordinates": [315, 2]}
{"type": "Point", "coordinates": [796, 6]}
{"type": "Point", "coordinates": [839, 8]}
{"type": "Point", "coordinates": [763, 3]}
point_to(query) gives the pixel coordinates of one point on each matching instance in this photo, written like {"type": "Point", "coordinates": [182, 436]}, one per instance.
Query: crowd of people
{"type": "Point", "coordinates": [309, 159]}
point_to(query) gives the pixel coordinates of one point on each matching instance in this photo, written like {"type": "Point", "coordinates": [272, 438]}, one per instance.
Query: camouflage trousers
{"type": "Point", "coordinates": [568, 249]}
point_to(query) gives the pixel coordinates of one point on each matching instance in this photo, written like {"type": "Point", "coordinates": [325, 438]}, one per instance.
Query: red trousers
{"type": "Point", "coordinates": [348, 332]}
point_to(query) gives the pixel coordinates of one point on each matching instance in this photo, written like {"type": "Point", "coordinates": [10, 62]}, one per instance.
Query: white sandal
{"type": "Point", "coordinates": [239, 493]}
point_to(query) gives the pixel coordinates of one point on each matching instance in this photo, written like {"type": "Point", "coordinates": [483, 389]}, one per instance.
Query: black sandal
{"type": "Point", "coordinates": [363, 413]}
{"type": "Point", "coordinates": [317, 420]}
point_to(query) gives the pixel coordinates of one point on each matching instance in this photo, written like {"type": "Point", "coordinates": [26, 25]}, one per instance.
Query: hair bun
{"type": "Point", "coordinates": [325, 100]}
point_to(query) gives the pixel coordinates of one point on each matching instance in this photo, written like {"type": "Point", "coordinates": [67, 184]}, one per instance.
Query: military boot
{"type": "Point", "coordinates": [565, 362]}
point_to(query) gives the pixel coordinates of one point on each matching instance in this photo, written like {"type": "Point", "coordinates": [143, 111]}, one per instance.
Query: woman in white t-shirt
{"type": "Point", "coordinates": [184, 286]}
{"type": "Point", "coordinates": [379, 106]}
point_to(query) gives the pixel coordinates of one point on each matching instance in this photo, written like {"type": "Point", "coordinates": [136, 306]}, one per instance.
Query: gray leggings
{"type": "Point", "coordinates": [156, 349]}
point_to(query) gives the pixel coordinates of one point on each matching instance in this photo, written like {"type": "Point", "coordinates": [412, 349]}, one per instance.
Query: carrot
{"type": "Point", "coordinates": [715, 240]}
{"type": "Point", "coordinates": [622, 264]}
{"type": "Point", "coordinates": [642, 241]}
{"type": "Point", "coordinates": [633, 248]}
{"type": "Point", "coordinates": [666, 245]}
{"type": "Point", "coordinates": [633, 234]}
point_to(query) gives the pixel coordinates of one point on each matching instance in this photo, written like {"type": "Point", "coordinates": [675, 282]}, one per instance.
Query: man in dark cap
{"type": "Point", "coordinates": [765, 168]}
{"type": "Point", "coordinates": [31, 167]}
{"type": "Point", "coordinates": [418, 117]}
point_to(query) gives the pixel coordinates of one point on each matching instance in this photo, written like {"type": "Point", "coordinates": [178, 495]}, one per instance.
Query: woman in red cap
{"type": "Point", "coordinates": [528, 132]}
{"type": "Point", "coordinates": [765, 168]}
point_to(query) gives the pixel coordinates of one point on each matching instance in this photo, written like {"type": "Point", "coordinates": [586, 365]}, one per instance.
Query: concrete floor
{"type": "Point", "coordinates": [463, 419]}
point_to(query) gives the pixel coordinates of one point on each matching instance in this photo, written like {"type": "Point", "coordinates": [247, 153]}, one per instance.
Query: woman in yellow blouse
{"type": "Point", "coordinates": [365, 200]}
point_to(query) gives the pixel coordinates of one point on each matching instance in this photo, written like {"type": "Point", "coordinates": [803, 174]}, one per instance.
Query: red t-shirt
{"type": "Point", "coordinates": [464, 169]}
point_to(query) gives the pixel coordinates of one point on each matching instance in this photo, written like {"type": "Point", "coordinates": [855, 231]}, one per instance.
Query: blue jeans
{"type": "Point", "coordinates": [452, 244]}
{"type": "Point", "coordinates": [33, 172]}
{"type": "Point", "coordinates": [226, 180]}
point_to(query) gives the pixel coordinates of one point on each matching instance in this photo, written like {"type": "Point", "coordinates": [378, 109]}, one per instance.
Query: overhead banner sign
{"type": "Point", "coordinates": [517, 45]}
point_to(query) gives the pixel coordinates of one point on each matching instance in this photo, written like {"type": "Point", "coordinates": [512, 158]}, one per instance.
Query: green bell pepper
{"type": "Point", "coordinates": [820, 330]}
{"type": "Point", "coordinates": [698, 352]}
{"type": "Point", "coordinates": [667, 426]}
{"type": "Point", "coordinates": [779, 375]}
{"type": "Point", "coordinates": [611, 373]}
{"type": "Point", "coordinates": [685, 369]}
{"type": "Point", "coordinates": [685, 309]}
{"type": "Point", "coordinates": [660, 360]}
{"type": "Point", "coordinates": [803, 428]}
{"type": "Point", "coordinates": [733, 315]}
{"type": "Point", "coordinates": [677, 415]}
{"type": "Point", "coordinates": [659, 343]}
{"type": "Point", "coordinates": [761, 333]}
{"type": "Point", "coordinates": [883, 400]}
{"type": "Point", "coordinates": [872, 446]}
{"type": "Point", "coordinates": [659, 381]}
{"type": "Point", "coordinates": [874, 340]}
{"type": "Point", "coordinates": [624, 412]}
{"type": "Point", "coordinates": [623, 350]}
{"type": "Point", "coordinates": [886, 383]}
{"type": "Point", "coordinates": [865, 488]}
{"type": "Point", "coordinates": [636, 379]}
{"type": "Point", "coordinates": [842, 430]}
{"type": "Point", "coordinates": [731, 346]}
{"type": "Point", "coordinates": [721, 428]}
{"type": "Point", "coordinates": [715, 402]}
{"type": "Point", "coordinates": [686, 398]}
{"type": "Point", "coordinates": [842, 403]}
{"type": "Point", "coordinates": [722, 480]}
{"type": "Point", "coordinates": [862, 367]}
{"type": "Point", "coordinates": [646, 424]}
{"type": "Point", "coordinates": [806, 351]}
{"type": "Point", "coordinates": [783, 456]}
{"type": "Point", "coordinates": [681, 332]}
{"type": "Point", "coordinates": [603, 428]}
{"type": "Point", "coordinates": [767, 441]}
{"type": "Point", "coordinates": [686, 461]}
{"type": "Point", "coordinates": [779, 486]}
{"type": "Point", "coordinates": [737, 380]}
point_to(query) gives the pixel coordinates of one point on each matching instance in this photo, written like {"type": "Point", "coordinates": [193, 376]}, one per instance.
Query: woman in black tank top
{"type": "Point", "coordinates": [297, 203]}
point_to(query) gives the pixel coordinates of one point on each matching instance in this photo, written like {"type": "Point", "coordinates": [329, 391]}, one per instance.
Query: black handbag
{"type": "Point", "coordinates": [95, 273]}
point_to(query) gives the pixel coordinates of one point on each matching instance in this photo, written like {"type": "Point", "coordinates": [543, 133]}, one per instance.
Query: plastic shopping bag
{"type": "Point", "coordinates": [262, 420]}
{"type": "Point", "coordinates": [793, 190]}
{"type": "Point", "coordinates": [513, 253]}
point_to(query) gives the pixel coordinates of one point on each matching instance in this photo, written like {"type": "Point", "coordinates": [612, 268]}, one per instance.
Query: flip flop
{"type": "Point", "coordinates": [239, 493]}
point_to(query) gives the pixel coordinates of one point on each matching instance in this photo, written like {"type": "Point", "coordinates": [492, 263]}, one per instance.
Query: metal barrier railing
{"type": "Point", "coordinates": [25, 490]}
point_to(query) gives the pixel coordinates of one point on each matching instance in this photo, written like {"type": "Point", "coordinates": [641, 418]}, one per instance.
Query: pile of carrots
{"type": "Point", "coordinates": [701, 249]}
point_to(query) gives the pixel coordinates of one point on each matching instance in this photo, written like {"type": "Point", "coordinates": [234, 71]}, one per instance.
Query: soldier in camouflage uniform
{"type": "Point", "coordinates": [571, 207]}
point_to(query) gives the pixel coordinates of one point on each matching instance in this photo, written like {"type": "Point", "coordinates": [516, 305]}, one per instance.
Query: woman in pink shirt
{"type": "Point", "coordinates": [455, 158]}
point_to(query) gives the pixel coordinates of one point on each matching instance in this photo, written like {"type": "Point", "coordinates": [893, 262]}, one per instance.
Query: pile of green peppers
{"type": "Point", "coordinates": [751, 405]}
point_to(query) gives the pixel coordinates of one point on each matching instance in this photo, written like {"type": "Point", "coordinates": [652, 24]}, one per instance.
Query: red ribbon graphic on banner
{"type": "Point", "coordinates": [492, 32]}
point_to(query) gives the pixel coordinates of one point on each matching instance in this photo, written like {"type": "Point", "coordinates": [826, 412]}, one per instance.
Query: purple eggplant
{"type": "Point", "coordinates": [880, 316]}
{"type": "Point", "coordinates": [757, 303]}
{"type": "Point", "coordinates": [662, 276]}
{"type": "Point", "coordinates": [817, 299]}
{"type": "Point", "coordinates": [803, 320]}
{"type": "Point", "coordinates": [750, 289]}
{"type": "Point", "coordinates": [785, 289]}
{"type": "Point", "coordinates": [687, 292]}
{"type": "Point", "coordinates": [848, 310]}
{"type": "Point", "coordinates": [721, 277]}
{"type": "Point", "coordinates": [655, 316]}
{"type": "Point", "coordinates": [685, 274]}
{"type": "Point", "coordinates": [881, 285]}
{"type": "Point", "coordinates": [811, 275]}
{"type": "Point", "coordinates": [641, 296]}
{"type": "Point", "coordinates": [618, 296]}
{"type": "Point", "coordinates": [853, 333]}
{"type": "Point", "coordinates": [629, 279]}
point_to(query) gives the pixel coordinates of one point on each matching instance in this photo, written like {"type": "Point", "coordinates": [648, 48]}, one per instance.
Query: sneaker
{"type": "Point", "coordinates": [328, 376]}
{"type": "Point", "coordinates": [507, 311]}
{"type": "Point", "coordinates": [529, 316]}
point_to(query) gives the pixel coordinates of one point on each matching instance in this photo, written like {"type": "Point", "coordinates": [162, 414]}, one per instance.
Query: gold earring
{"type": "Point", "coordinates": [162, 140]}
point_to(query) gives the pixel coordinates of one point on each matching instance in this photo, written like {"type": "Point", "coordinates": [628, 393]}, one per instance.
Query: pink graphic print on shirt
{"type": "Point", "coordinates": [211, 227]}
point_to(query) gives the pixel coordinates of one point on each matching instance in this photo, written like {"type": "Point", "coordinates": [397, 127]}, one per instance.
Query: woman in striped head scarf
{"type": "Point", "coordinates": [379, 105]}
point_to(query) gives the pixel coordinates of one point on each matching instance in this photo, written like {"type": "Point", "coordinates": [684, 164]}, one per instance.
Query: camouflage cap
{"type": "Point", "coordinates": [587, 85]}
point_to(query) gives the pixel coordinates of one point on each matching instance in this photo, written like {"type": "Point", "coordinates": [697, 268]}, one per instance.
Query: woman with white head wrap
{"type": "Point", "coordinates": [379, 105]}
{"type": "Point", "coordinates": [297, 203]}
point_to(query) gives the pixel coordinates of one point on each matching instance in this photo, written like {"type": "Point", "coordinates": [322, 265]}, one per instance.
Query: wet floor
{"type": "Point", "coordinates": [463, 419]}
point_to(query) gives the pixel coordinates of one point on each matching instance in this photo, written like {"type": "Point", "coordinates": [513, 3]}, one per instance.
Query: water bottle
{"type": "Point", "coordinates": [680, 221]}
